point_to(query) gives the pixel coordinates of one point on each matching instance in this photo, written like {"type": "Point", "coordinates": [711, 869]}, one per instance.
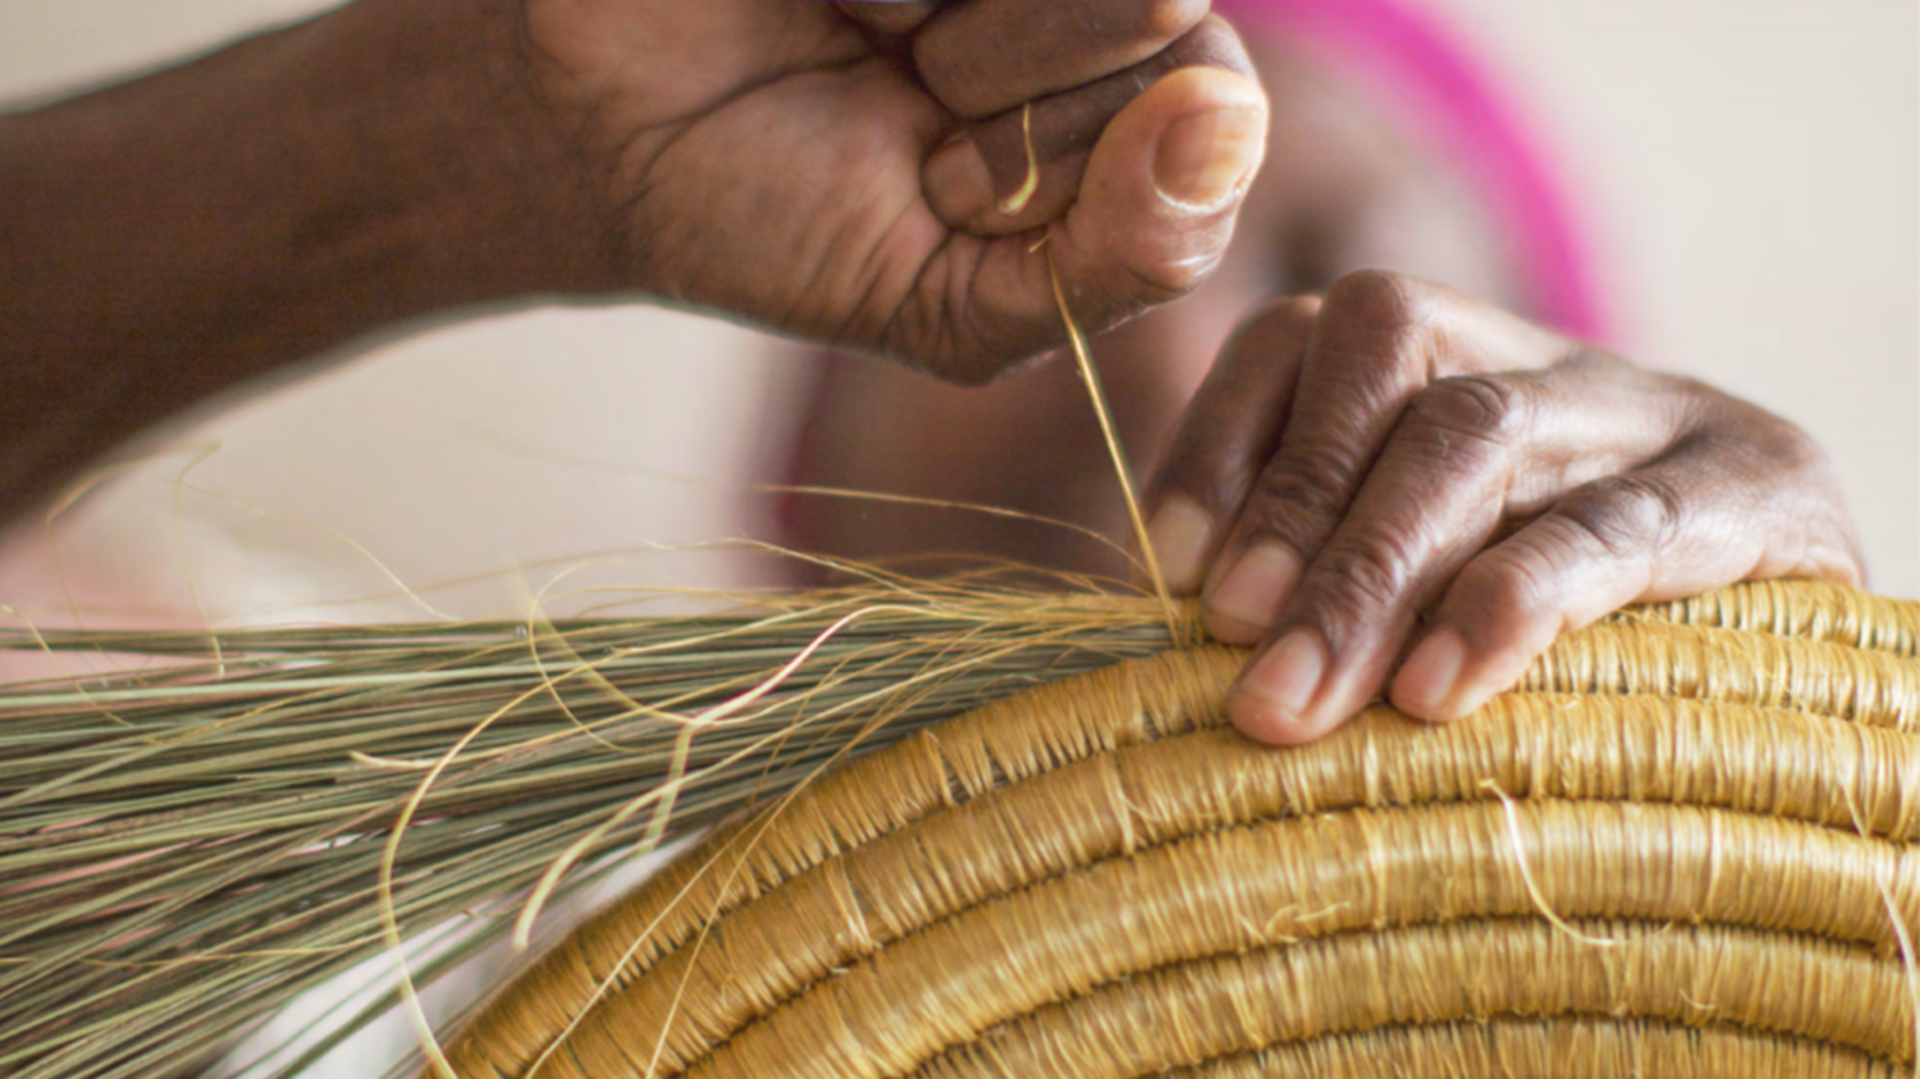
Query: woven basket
{"type": "Point", "coordinates": [1684, 846]}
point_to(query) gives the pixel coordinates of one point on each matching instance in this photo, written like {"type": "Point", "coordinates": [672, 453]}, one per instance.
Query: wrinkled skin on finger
{"type": "Point", "coordinates": [1397, 488]}
{"type": "Point", "coordinates": [1339, 193]}
{"type": "Point", "coordinates": [775, 160]}
{"type": "Point", "coordinates": [983, 179]}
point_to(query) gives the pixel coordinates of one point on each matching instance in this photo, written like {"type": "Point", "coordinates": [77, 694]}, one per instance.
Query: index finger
{"type": "Point", "coordinates": [981, 57]}
{"type": "Point", "coordinates": [893, 17]}
{"type": "Point", "coordinates": [1228, 431]}
{"type": "Point", "coordinates": [1379, 339]}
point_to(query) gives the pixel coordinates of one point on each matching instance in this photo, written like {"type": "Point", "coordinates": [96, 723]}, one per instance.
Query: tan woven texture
{"type": "Point", "coordinates": [1684, 846]}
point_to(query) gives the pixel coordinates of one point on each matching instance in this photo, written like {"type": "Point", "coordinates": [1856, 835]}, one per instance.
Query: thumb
{"type": "Point", "coordinates": [1162, 189]}
{"type": "Point", "coordinates": [1150, 219]}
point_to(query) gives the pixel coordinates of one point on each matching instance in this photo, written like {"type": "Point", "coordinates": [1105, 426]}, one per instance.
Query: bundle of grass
{"type": "Point", "coordinates": [185, 846]}
{"type": "Point", "coordinates": [1688, 844]}
{"type": "Point", "coordinates": [192, 846]}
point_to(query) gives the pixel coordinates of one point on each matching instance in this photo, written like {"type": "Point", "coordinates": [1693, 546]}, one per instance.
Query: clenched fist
{"type": "Point", "coordinates": [877, 176]}
{"type": "Point", "coordinates": [873, 174]}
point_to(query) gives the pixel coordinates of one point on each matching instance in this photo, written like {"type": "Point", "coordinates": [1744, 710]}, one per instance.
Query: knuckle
{"type": "Point", "coordinates": [1211, 42]}
{"type": "Point", "coordinates": [1162, 277]}
{"type": "Point", "coordinates": [1128, 25]}
{"type": "Point", "coordinates": [1302, 494]}
{"type": "Point", "coordinates": [1625, 514]}
{"type": "Point", "coordinates": [1462, 437]}
{"type": "Point", "coordinates": [1778, 445]}
{"type": "Point", "coordinates": [1759, 457]}
{"type": "Point", "coordinates": [966, 352]}
{"type": "Point", "coordinates": [1279, 328]}
{"type": "Point", "coordinates": [1203, 470]}
{"type": "Point", "coordinates": [1379, 298]}
{"type": "Point", "coordinates": [1378, 561]}
{"type": "Point", "coordinates": [1291, 315]}
{"type": "Point", "coordinates": [1588, 360]}
{"type": "Point", "coordinates": [1381, 331]}
{"type": "Point", "coordinates": [1507, 586]}
{"type": "Point", "coordinates": [1779, 483]}
{"type": "Point", "coordinates": [1486, 408]}
{"type": "Point", "coordinates": [1367, 572]}
{"type": "Point", "coordinates": [1165, 20]}
{"type": "Point", "coordinates": [1799, 451]}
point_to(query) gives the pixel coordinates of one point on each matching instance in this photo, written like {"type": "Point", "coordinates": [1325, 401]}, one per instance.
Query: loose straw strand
{"type": "Point", "coordinates": [1908, 959]}
{"type": "Point", "coordinates": [1539, 897]}
{"type": "Point", "coordinates": [1097, 395]}
{"type": "Point", "coordinates": [1017, 201]}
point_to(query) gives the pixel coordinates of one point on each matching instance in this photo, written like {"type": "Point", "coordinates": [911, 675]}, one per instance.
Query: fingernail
{"type": "Point", "coordinates": [1205, 159]}
{"type": "Point", "coordinates": [1250, 595]}
{"type": "Point", "coordinates": [1180, 533]}
{"type": "Point", "coordinates": [1426, 680]}
{"type": "Point", "coordinates": [958, 185]}
{"type": "Point", "coordinates": [1273, 693]}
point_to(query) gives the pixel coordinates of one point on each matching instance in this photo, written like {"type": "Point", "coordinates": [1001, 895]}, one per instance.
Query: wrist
{"type": "Point", "coordinates": [163, 240]}
{"type": "Point", "coordinates": [440, 171]}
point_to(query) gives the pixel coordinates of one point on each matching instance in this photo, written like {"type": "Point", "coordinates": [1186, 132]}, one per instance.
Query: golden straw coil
{"type": "Point", "coordinates": [1683, 846]}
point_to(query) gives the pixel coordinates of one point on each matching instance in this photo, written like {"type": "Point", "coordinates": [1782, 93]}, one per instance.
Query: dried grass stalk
{"type": "Point", "coordinates": [1666, 826]}
{"type": "Point", "coordinates": [186, 847]}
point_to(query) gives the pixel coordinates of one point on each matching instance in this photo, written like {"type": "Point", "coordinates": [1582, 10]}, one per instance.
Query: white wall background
{"type": "Point", "coordinates": [1754, 166]}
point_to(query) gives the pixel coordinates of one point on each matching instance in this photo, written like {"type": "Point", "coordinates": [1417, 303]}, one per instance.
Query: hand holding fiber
{"type": "Point", "coordinates": [168, 239]}
{"type": "Point", "coordinates": [1021, 167]}
{"type": "Point", "coordinates": [1398, 467]}
{"type": "Point", "coordinates": [810, 166]}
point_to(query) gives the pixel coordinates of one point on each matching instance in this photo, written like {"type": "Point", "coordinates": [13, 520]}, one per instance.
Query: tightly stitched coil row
{"type": "Point", "coordinates": [1680, 846]}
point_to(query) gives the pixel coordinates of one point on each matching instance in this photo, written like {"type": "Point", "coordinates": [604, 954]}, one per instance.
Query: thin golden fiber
{"type": "Point", "coordinates": [1808, 610]}
{"type": "Point", "coordinates": [850, 807]}
{"type": "Point", "coordinates": [1741, 803]}
{"type": "Point", "coordinates": [1875, 688]}
{"type": "Point", "coordinates": [1221, 893]}
{"type": "Point", "coordinates": [1709, 977]}
{"type": "Point", "coordinates": [1293, 878]}
{"type": "Point", "coordinates": [1584, 1048]}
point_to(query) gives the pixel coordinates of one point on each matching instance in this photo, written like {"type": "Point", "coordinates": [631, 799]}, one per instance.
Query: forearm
{"type": "Point", "coordinates": [166, 239]}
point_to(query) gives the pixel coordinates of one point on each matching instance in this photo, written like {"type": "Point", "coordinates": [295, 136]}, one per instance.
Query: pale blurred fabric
{"type": "Point", "coordinates": [613, 445]}
{"type": "Point", "coordinates": [1750, 170]}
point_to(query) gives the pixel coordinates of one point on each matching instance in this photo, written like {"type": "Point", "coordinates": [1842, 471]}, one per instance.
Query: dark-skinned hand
{"type": "Point", "coordinates": [849, 173]}
{"type": "Point", "coordinates": [854, 172]}
{"type": "Point", "coordinates": [1396, 470]}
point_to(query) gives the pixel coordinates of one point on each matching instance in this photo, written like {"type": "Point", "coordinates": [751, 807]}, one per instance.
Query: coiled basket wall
{"type": "Point", "coordinates": [1684, 846]}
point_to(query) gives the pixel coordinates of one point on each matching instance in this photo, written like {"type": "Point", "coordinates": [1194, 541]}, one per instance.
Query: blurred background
{"type": "Point", "coordinates": [1746, 175]}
